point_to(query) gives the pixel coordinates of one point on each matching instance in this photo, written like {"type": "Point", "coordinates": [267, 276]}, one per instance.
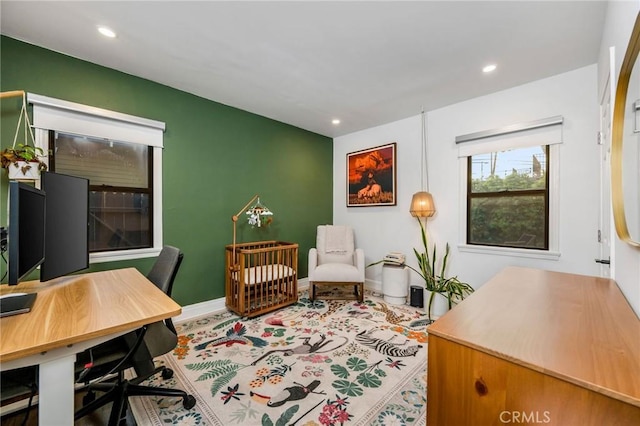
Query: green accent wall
{"type": "Point", "coordinates": [215, 159]}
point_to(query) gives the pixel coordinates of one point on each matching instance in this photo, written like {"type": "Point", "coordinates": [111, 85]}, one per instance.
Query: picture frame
{"type": "Point", "coordinates": [371, 176]}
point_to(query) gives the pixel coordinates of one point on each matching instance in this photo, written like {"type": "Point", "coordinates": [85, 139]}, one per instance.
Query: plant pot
{"type": "Point", "coordinates": [439, 304]}
{"type": "Point", "coordinates": [24, 171]}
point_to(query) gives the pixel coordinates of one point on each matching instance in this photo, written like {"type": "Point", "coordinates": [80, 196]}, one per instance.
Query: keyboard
{"type": "Point", "coordinates": [16, 303]}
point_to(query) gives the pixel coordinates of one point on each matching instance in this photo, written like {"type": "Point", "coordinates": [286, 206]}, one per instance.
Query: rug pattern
{"type": "Point", "coordinates": [313, 363]}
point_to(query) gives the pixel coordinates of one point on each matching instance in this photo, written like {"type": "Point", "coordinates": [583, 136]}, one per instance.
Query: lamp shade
{"type": "Point", "coordinates": [422, 205]}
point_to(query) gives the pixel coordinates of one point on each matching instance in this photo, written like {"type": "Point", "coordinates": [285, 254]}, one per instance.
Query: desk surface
{"type": "Point", "coordinates": [576, 328]}
{"type": "Point", "coordinates": [78, 308]}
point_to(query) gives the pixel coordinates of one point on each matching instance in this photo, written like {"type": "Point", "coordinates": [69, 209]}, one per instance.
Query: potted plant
{"type": "Point", "coordinates": [23, 162]}
{"type": "Point", "coordinates": [436, 285]}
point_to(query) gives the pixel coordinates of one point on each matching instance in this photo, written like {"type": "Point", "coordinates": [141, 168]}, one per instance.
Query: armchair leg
{"type": "Point", "coordinates": [360, 292]}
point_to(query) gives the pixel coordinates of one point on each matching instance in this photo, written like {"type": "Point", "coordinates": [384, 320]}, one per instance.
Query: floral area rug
{"type": "Point", "coordinates": [313, 363]}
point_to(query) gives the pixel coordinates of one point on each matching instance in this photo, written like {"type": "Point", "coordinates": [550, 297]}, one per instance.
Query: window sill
{"type": "Point", "coordinates": [112, 256]}
{"type": "Point", "coordinates": [513, 252]}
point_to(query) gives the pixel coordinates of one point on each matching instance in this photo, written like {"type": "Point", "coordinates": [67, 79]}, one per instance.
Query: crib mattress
{"type": "Point", "coordinates": [266, 273]}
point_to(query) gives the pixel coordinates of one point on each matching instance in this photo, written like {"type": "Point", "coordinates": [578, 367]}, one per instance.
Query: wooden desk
{"type": "Point", "coordinates": [70, 315]}
{"type": "Point", "coordinates": [536, 347]}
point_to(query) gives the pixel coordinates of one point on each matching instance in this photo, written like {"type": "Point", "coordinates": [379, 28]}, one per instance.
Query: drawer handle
{"type": "Point", "coordinates": [481, 387]}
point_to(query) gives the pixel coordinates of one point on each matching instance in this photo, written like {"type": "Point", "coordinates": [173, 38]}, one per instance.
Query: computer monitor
{"type": "Point", "coordinates": [67, 229]}
{"type": "Point", "coordinates": [27, 207]}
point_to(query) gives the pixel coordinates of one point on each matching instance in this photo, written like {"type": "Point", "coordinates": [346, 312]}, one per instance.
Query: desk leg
{"type": "Point", "coordinates": [56, 390]}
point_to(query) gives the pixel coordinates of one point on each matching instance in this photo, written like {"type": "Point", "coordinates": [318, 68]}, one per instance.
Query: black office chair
{"type": "Point", "coordinates": [133, 350]}
{"type": "Point", "coordinates": [19, 384]}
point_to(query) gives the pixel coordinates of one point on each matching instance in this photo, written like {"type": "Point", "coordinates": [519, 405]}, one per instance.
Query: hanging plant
{"type": "Point", "coordinates": [22, 160]}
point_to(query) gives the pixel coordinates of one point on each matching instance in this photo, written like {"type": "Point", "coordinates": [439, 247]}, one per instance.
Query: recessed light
{"type": "Point", "coordinates": [106, 31]}
{"type": "Point", "coordinates": [489, 68]}
{"type": "Point", "coordinates": [335, 121]}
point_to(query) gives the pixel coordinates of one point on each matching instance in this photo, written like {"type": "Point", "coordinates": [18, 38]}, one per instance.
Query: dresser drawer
{"type": "Point", "coordinates": [469, 387]}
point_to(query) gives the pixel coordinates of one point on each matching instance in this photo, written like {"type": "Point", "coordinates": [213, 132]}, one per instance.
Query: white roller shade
{"type": "Point", "coordinates": [541, 132]}
{"type": "Point", "coordinates": [70, 117]}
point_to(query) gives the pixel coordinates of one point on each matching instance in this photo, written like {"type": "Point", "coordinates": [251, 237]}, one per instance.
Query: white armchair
{"type": "Point", "coordinates": [336, 262]}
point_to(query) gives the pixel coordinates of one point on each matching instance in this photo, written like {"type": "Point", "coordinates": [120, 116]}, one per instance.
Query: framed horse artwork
{"type": "Point", "coordinates": [371, 177]}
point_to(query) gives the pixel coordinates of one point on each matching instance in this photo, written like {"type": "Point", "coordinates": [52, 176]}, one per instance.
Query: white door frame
{"type": "Point", "coordinates": [605, 223]}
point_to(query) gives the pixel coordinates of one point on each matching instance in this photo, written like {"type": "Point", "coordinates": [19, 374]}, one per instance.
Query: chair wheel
{"type": "Point", "coordinates": [167, 373]}
{"type": "Point", "coordinates": [88, 398]}
{"type": "Point", "coordinates": [189, 402]}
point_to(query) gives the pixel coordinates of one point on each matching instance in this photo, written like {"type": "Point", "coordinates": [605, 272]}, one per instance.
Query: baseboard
{"type": "Point", "coordinates": [373, 286]}
{"type": "Point", "coordinates": [196, 310]}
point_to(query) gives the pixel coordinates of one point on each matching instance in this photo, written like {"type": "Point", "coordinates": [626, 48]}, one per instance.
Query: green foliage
{"type": "Point", "coordinates": [453, 289]}
{"type": "Point", "coordinates": [434, 281]}
{"type": "Point", "coordinates": [288, 414]}
{"type": "Point", "coordinates": [224, 324]}
{"type": "Point", "coordinates": [340, 371]}
{"type": "Point", "coordinates": [24, 152]}
{"type": "Point", "coordinates": [266, 420]}
{"type": "Point", "coordinates": [348, 388]}
{"type": "Point", "coordinates": [369, 376]}
{"type": "Point", "coordinates": [221, 371]}
{"type": "Point", "coordinates": [369, 380]}
{"type": "Point", "coordinates": [356, 364]}
{"type": "Point", "coordinates": [512, 182]}
{"type": "Point", "coordinates": [243, 414]}
{"type": "Point", "coordinates": [28, 152]}
{"type": "Point", "coordinates": [502, 220]}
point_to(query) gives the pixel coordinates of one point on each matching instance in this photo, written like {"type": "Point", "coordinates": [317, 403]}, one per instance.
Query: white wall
{"type": "Point", "coordinates": [617, 30]}
{"type": "Point", "coordinates": [380, 229]}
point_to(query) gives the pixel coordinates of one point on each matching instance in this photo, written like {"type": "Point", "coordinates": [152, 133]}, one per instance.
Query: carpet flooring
{"type": "Point", "coordinates": [313, 363]}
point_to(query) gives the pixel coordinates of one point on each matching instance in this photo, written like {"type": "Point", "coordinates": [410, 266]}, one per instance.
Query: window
{"type": "Point", "coordinates": [508, 198]}
{"type": "Point", "coordinates": [122, 156]}
{"type": "Point", "coordinates": [121, 190]}
{"type": "Point", "coordinates": [509, 189]}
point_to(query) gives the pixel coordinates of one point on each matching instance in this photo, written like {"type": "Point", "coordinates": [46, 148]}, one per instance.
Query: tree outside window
{"type": "Point", "coordinates": [508, 198]}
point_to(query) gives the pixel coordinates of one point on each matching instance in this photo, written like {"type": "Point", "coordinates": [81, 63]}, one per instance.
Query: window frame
{"type": "Point", "coordinates": [508, 194]}
{"type": "Point", "coordinates": [542, 132]}
{"type": "Point", "coordinates": [69, 117]}
{"type": "Point", "coordinates": [102, 189]}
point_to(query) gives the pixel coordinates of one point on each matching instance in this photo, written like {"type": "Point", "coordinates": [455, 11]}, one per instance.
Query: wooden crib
{"type": "Point", "coordinates": [261, 277]}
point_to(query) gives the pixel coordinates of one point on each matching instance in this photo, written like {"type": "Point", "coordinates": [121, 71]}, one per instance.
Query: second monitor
{"type": "Point", "coordinates": [67, 225]}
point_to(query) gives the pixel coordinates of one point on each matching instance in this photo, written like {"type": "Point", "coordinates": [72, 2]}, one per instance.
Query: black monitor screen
{"type": "Point", "coordinates": [26, 230]}
{"type": "Point", "coordinates": [67, 232]}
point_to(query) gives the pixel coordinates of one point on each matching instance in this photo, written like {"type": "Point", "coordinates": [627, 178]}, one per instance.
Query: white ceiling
{"type": "Point", "coordinates": [305, 63]}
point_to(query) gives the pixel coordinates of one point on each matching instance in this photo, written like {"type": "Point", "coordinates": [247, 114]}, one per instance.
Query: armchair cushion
{"type": "Point", "coordinates": [336, 272]}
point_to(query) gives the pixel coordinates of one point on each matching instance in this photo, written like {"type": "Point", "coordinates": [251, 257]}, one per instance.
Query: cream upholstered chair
{"type": "Point", "coordinates": [335, 261]}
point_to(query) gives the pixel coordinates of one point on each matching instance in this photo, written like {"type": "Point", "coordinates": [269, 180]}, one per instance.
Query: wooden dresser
{"type": "Point", "coordinates": [536, 347]}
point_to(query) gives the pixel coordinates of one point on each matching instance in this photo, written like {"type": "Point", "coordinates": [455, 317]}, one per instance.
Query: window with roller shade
{"type": "Point", "coordinates": [510, 189]}
{"type": "Point", "coordinates": [121, 155]}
